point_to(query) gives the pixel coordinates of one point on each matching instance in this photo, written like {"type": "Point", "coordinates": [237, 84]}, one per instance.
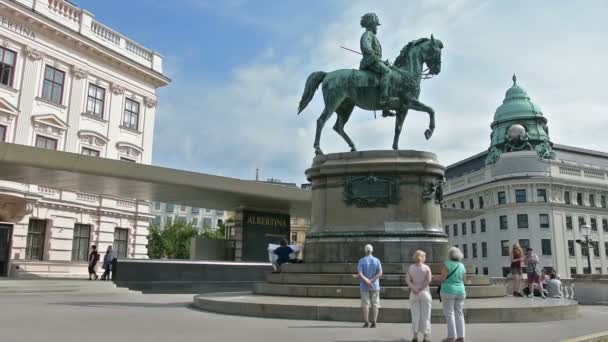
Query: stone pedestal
{"type": "Point", "coordinates": [389, 199]}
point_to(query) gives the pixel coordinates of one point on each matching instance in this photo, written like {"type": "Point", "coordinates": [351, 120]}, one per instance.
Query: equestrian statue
{"type": "Point", "coordinates": [377, 85]}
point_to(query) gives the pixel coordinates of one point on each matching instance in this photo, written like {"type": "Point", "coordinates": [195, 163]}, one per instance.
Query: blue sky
{"type": "Point", "coordinates": [238, 70]}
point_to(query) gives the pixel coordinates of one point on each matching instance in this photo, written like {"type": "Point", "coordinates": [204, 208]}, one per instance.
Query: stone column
{"type": "Point", "coordinates": [28, 92]}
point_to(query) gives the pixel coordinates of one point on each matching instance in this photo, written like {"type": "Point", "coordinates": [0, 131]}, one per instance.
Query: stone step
{"type": "Point", "coordinates": [60, 286]}
{"type": "Point", "coordinates": [494, 310]}
{"type": "Point", "coordinates": [329, 291]}
{"type": "Point", "coordinates": [351, 268]}
{"type": "Point", "coordinates": [351, 279]}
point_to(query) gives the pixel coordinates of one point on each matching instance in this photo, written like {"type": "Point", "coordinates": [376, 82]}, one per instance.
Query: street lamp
{"type": "Point", "coordinates": [586, 243]}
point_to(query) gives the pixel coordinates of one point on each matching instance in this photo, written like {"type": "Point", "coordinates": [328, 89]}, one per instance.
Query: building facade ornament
{"type": "Point", "coordinates": [128, 149]}
{"type": "Point", "coordinates": [79, 73]}
{"type": "Point", "coordinates": [33, 53]}
{"type": "Point", "coordinates": [5, 43]}
{"type": "Point", "coordinates": [117, 89]}
{"type": "Point", "coordinates": [92, 138]}
{"type": "Point", "coordinates": [150, 102]}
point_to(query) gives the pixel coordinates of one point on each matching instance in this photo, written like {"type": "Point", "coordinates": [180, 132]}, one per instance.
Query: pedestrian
{"type": "Point", "coordinates": [418, 278]}
{"type": "Point", "coordinates": [370, 271]}
{"type": "Point", "coordinates": [107, 263]}
{"type": "Point", "coordinates": [93, 259]}
{"type": "Point", "coordinates": [533, 272]}
{"type": "Point", "coordinates": [282, 253]}
{"type": "Point", "coordinates": [517, 256]}
{"type": "Point", "coordinates": [453, 294]}
{"type": "Point", "coordinates": [554, 286]}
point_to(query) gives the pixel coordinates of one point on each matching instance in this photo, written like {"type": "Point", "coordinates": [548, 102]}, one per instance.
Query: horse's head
{"type": "Point", "coordinates": [423, 50]}
{"type": "Point", "coordinates": [432, 55]}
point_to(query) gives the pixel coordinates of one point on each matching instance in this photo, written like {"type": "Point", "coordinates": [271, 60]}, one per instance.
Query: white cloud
{"type": "Point", "coordinates": [249, 120]}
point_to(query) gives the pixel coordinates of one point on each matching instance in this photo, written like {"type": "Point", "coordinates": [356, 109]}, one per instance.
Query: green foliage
{"type": "Point", "coordinates": [218, 234]}
{"type": "Point", "coordinates": [172, 241]}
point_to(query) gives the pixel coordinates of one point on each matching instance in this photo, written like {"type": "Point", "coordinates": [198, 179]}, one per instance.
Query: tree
{"type": "Point", "coordinates": [172, 241]}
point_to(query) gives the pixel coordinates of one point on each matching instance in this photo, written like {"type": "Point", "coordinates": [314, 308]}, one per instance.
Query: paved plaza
{"type": "Point", "coordinates": [130, 316]}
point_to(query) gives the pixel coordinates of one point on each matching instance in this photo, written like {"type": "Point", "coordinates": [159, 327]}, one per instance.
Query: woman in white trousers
{"type": "Point", "coordinates": [418, 278]}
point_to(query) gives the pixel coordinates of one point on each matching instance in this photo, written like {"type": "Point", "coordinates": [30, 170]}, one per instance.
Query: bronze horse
{"type": "Point", "coordinates": [346, 88]}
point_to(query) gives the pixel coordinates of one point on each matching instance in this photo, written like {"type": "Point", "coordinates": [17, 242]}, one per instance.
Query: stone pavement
{"type": "Point", "coordinates": [118, 317]}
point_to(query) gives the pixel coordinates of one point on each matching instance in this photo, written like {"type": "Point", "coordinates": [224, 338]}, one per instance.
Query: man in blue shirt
{"type": "Point", "coordinates": [282, 253]}
{"type": "Point", "coordinates": [370, 271]}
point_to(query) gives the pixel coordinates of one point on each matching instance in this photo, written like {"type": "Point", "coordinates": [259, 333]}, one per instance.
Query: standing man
{"type": "Point", "coordinates": [533, 270]}
{"type": "Point", "coordinates": [372, 59]}
{"type": "Point", "coordinates": [370, 271]}
{"type": "Point", "coordinates": [93, 259]}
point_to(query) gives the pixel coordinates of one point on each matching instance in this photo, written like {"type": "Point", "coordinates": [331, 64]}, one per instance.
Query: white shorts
{"type": "Point", "coordinates": [370, 298]}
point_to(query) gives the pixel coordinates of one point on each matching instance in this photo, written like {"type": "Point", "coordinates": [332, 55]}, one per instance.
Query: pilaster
{"type": "Point", "coordinates": [76, 106]}
{"type": "Point", "coordinates": [29, 88]}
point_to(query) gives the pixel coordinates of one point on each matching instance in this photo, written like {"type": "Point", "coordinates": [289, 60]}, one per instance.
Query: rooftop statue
{"type": "Point", "coordinates": [377, 85]}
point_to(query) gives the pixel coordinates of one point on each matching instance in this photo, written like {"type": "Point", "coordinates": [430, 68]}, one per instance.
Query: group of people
{"type": "Point", "coordinates": [540, 284]}
{"type": "Point", "coordinates": [94, 257]}
{"type": "Point", "coordinates": [419, 276]}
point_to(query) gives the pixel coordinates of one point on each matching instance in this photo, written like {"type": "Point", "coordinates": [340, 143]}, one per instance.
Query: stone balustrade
{"type": "Point", "coordinates": [568, 285]}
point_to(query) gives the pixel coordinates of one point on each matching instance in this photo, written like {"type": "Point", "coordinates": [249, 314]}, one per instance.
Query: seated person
{"type": "Point", "coordinates": [554, 287]}
{"type": "Point", "coordinates": [282, 254]}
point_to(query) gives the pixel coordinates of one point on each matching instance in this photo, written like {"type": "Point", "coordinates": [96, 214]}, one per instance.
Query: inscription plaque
{"type": "Point", "coordinates": [371, 191]}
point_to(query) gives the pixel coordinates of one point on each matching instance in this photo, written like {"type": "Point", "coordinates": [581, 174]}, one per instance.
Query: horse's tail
{"type": "Point", "coordinates": [312, 83]}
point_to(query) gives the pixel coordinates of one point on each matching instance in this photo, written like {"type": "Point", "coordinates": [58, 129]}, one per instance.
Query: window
{"type": "Point", "coordinates": [131, 118]}
{"type": "Point", "coordinates": [182, 207]}
{"type": "Point", "coordinates": [453, 205]}
{"type": "Point", "coordinates": [585, 251]}
{"type": "Point", "coordinates": [502, 220]}
{"type": "Point", "coordinates": [567, 197]}
{"type": "Point", "coordinates": [7, 66]}
{"type": "Point", "coordinates": [603, 201]}
{"type": "Point", "coordinates": [195, 222]}
{"type": "Point", "coordinates": [571, 248]}
{"type": "Point", "coordinates": [464, 228]}
{"type": "Point", "coordinates": [546, 246]}
{"type": "Point", "coordinates": [471, 203]}
{"type": "Point", "coordinates": [586, 270]}
{"type": "Point", "coordinates": [121, 240]}
{"type": "Point", "coordinates": [485, 271]}
{"type": "Point", "coordinates": [606, 248]}
{"type": "Point", "coordinates": [461, 204]}
{"type": "Point", "coordinates": [504, 247]}
{"type": "Point", "coordinates": [294, 237]}
{"type": "Point", "coordinates": [219, 212]}
{"type": "Point", "coordinates": [36, 231]}
{"type": "Point", "coordinates": [598, 270]}
{"type": "Point", "coordinates": [502, 197]}
{"type": "Point", "coordinates": [181, 219]}
{"type": "Point", "coordinates": [447, 230]}
{"type": "Point", "coordinates": [465, 251]}
{"type": "Point", "coordinates": [592, 200]}
{"type": "Point", "coordinates": [482, 225]}
{"type": "Point", "coordinates": [473, 227]}
{"type": "Point", "coordinates": [544, 220]}
{"type": "Point", "coordinates": [569, 222]}
{"type": "Point", "coordinates": [579, 198]}
{"type": "Point", "coordinates": [44, 142]}
{"type": "Point", "coordinates": [2, 133]}
{"type": "Point", "coordinates": [605, 225]}
{"type": "Point", "coordinates": [481, 204]}
{"type": "Point", "coordinates": [52, 88]}
{"type": "Point", "coordinates": [484, 250]}
{"type": "Point", "coordinates": [207, 222]}
{"type": "Point", "coordinates": [581, 222]}
{"type": "Point", "coordinates": [572, 271]}
{"type": "Point", "coordinates": [455, 229]}
{"type": "Point", "coordinates": [196, 210]}
{"type": "Point", "coordinates": [169, 220]}
{"type": "Point", "coordinates": [127, 160]}
{"type": "Point", "coordinates": [506, 271]}
{"type": "Point", "coordinates": [593, 224]}
{"type": "Point", "coordinates": [596, 249]}
{"type": "Point", "coordinates": [90, 152]}
{"type": "Point", "coordinates": [80, 242]}
{"type": "Point", "coordinates": [524, 243]}
{"type": "Point", "coordinates": [156, 220]}
{"type": "Point", "coordinates": [95, 100]}
{"type": "Point", "coordinates": [541, 195]}
{"type": "Point", "coordinates": [157, 206]}
{"type": "Point", "coordinates": [520, 196]}
{"type": "Point", "coordinates": [474, 250]}
{"type": "Point", "coordinates": [522, 220]}
{"type": "Point", "coordinates": [170, 208]}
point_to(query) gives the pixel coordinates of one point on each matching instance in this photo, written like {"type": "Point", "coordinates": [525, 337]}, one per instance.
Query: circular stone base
{"type": "Point", "coordinates": [495, 310]}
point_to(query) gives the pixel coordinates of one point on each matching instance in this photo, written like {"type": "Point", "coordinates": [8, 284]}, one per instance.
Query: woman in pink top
{"type": "Point", "coordinates": [418, 278]}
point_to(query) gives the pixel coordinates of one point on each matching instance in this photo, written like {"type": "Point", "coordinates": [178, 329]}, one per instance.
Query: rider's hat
{"type": "Point", "coordinates": [369, 19]}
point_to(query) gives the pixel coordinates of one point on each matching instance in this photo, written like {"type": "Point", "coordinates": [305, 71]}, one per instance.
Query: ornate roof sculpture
{"type": "Point", "coordinates": [519, 125]}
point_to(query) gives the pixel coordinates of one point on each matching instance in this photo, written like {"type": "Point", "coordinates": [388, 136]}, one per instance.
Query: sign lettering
{"type": "Point", "coordinates": [20, 29]}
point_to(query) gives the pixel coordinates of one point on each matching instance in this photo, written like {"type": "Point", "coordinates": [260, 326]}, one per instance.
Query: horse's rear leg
{"type": "Point", "coordinates": [400, 117]}
{"type": "Point", "coordinates": [325, 115]}
{"type": "Point", "coordinates": [344, 112]}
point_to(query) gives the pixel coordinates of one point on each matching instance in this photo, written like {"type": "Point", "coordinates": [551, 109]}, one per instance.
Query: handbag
{"type": "Point", "coordinates": [446, 278]}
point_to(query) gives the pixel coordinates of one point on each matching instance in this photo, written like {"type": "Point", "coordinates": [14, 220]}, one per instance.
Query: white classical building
{"type": "Point", "coordinates": [200, 218]}
{"type": "Point", "coordinates": [70, 83]}
{"type": "Point", "coordinates": [532, 192]}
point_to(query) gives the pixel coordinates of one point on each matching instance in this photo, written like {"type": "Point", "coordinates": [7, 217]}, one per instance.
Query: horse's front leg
{"type": "Point", "coordinates": [399, 118]}
{"type": "Point", "coordinates": [415, 104]}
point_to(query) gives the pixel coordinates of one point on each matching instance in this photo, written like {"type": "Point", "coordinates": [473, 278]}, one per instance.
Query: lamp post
{"type": "Point", "coordinates": [586, 243]}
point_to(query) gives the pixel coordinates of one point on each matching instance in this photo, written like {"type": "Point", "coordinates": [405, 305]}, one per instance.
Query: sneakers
{"type": "Point", "coordinates": [373, 325]}
{"type": "Point", "coordinates": [531, 295]}
{"type": "Point", "coordinates": [365, 325]}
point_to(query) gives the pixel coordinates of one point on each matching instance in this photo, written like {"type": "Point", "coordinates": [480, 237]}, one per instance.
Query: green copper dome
{"type": "Point", "coordinates": [516, 105]}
